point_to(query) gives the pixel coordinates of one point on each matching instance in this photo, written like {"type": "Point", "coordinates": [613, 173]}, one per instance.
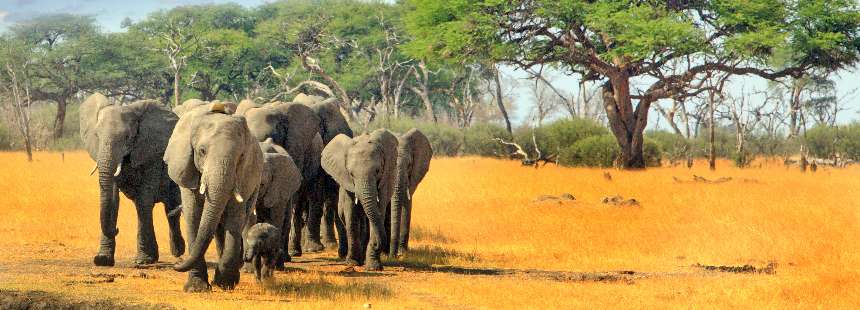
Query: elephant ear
{"type": "Point", "coordinates": [187, 106]}
{"type": "Point", "coordinates": [421, 152]}
{"type": "Point", "coordinates": [89, 118]}
{"type": "Point", "coordinates": [333, 161]}
{"type": "Point", "coordinates": [155, 125]}
{"type": "Point", "coordinates": [244, 106]}
{"type": "Point", "coordinates": [179, 154]}
{"type": "Point", "coordinates": [388, 143]}
{"type": "Point", "coordinates": [285, 178]}
{"type": "Point", "coordinates": [307, 99]}
{"type": "Point", "coordinates": [251, 164]}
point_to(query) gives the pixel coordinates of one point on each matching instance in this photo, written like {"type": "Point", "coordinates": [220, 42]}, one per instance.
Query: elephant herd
{"type": "Point", "coordinates": [266, 181]}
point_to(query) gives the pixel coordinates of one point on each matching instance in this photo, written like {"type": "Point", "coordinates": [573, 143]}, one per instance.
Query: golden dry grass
{"type": "Point", "coordinates": [480, 242]}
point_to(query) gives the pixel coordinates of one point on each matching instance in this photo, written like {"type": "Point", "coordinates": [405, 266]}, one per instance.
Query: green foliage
{"type": "Point", "coordinates": [594, 151]}
{"type": "Point", "coordinates": [821, 141]}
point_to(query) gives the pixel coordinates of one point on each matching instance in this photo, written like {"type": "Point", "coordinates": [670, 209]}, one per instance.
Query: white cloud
{"type": "Point", "coordinates": [3, 15]}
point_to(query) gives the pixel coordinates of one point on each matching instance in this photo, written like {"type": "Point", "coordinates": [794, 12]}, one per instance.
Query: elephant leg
{"type": "Point", "coordinates": [340, 226]}
{"type": "Point", "coordinates": [250, 220]}
{"type": "Point", "coordinates": [147, 246]}
{"type": "Point", "coordinates": [311, 233]}
{"type": "Point", "coordinates": [257, 268]}
{"type": "Point", "coordinates": [312, 242]}
{"type": "Point", "coordinates": [394, 217]}
{"type": "Point", "coordinates": [198, 278]}
{"type": "Point", "coordinates": [363, 235]}
{"type": "Point", "coordinates": [327, 229]}
{"type": "Point", "coordinates": [405, 222]}
{"type": "Point", "coordinates": [230, 260]}
{"type": "Point", "coordinates": [107, 217]}
{"type": "Point", "coordinates": [297, 224]}
{"type": "Point", "coordinates": [279, 216]}
{"type": "Point", "coordinates": [351, 221]}
{"type": "Point", "coordinates": [171, 209]}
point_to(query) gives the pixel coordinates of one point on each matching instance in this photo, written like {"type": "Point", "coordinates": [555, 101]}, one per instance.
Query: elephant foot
{"type": "Point", "coordinates": [401, 250]}
{"type": "Point", "coordinates": [248, 268]}
{"type": "Point", "coordinates": [330, 244]}
{"type": "Point", "coordinates": [295, 253]}
{"type": "Point", "coordinates": [313, 247]}
{"type": "Point", "coordinates": [177, 247]}
{"type": "Point", "coordinates": [352, 262]}
{"type": "Point", "coordinates": [103, 260]}
{"type": "Point", "coordinates": [196, 285]}
{"type": "Point", "coordinates": [373, 265]}
{"type": "Point", "coordinates": [226, 280]}
{"type": "Point", "coordinates": [145, 259]}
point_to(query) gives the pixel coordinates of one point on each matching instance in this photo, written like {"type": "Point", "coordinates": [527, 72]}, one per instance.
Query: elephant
{"type": "Point", "coordinates": [332, 123]}
{"type": "Point", "coordinates": [295, 127]}
{"type": "Point", "coordinates": [263, 247]}
{"type": "Point", "coordinates": [217, 164]}
{"type": "Point", "coordinates": [190, 104]}
{"type": "Point", "coordinates": [364, 168]}
{"type": "Point", "coordinates": [413, 162]}
{"type": "Point", "coordinates": [280, 180]}
{"type": "Point", "coordinates": [127, 143]}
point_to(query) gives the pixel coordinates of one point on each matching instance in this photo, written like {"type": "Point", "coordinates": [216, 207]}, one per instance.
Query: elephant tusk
{"type": "Point", "coordinates": [202, 188]}
{"type": "Point", "coordinates": [377, 199]}
{"type": "Point", "coordinates": [238, 196]}
{"type": "Point", "coordinates": [96, 167]}
{"type": "Point", "coordinates": [408, 195]}
{"type": "Point", "coordinates": [118, 169]}
{"type": "Point", "coordinates": [356, 199]}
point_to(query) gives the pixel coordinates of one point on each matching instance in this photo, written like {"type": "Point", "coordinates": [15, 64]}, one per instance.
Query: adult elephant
{"type": "Point", "coordinates": [280, 180]}
{"type": "Point", "coordinates": [127, 144]}
{"type": "Point", "coordinates": [217, 163]}
{"type": "Point", "coordinates": [332, 123]}
{"type": "Point", "coordinates": [295, 127]}
{"type": "Point", "coordinates": [413, 161]}
{"type": "Point", "coordinates": [364, 168]}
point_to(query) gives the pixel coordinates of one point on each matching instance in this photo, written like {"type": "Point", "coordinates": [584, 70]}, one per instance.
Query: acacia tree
{"type": "Point", "coordinates": [625, 43]}
{"type": "Point", "coordinates": [175, 36]}
{"type": "Point", "coordinates": [60, 45]}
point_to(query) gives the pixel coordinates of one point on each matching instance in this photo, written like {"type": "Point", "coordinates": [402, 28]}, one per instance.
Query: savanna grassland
{"type": "Point", "coordinates": [482, 242]}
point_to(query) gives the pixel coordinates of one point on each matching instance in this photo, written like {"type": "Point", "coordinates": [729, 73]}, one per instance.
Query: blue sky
{"type": "Point", "coordinates": [110, 13]}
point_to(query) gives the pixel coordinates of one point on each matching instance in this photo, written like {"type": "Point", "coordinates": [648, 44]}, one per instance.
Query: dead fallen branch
{"type": "Point", "coordinates": [769, 269]}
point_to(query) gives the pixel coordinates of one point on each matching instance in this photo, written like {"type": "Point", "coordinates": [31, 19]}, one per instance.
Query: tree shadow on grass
{"type": "Point", "coordinates": [319, 287]}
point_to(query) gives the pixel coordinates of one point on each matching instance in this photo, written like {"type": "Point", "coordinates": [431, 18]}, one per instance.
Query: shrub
{"type": "Point", "coordinates": [594, 151]}
{"type": "Point", "coordinates": [849, 141]}
{"type": "Point", "coordinates": [821, 141]}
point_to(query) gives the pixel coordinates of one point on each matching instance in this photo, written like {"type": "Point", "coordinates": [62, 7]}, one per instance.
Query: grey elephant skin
{"type": "Point", "coordinates": [263, 248]}
{"type": "Point", "coordinates": [364, 168]}
{"type": "Point", "coordinates": [280, 180]}
{"type": "Point", "coordinates": [413, 161]}
{"type": "Point", "coordinates": [295, 127]}
{"type": "Point", "coordinates": [127, 144]}
{"type": "Point", "coordinates": [332, 123]}
{"type": "Point", "coordinates": [217, 163]}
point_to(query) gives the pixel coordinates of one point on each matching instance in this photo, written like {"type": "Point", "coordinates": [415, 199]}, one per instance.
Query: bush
{"type": "Point", "coordinates": [849, 142]}
{"type": "Point", "coordinates": [559, 134]}
{"type": "Point", "coordinates": [601, 151]}
{"type": "Point", "coordinates": [821, 141]}
{"type": "Point", "coordinates": [595, 151]}
{"type": "Point", "coordinates": [671, 144]}
{"type": "Point", "coordinates": [478, 140]}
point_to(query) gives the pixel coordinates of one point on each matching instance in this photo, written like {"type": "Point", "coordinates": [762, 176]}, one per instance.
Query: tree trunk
{"type": "Point", "coordinates": [627, 126]}
{"type": "Point", "coordinates": [500, 102]}
{"type": "Point", "coordinates": [176, 94]}
{"type": "Point", "coordinates": [712, 156]}
{"type": "Point", "coordinates": [60, 119]}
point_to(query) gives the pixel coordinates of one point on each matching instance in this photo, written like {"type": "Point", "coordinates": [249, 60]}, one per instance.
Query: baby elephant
{"type": "Point", "coordinates": [263, 249]}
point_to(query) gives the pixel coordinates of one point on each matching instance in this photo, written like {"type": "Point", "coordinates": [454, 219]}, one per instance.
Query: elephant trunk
{"type": "Point", "coordinates": [368, 194]}
{"type": "Point", "coordinates": [106, 164]}
{"type": "Point", "coordinates": [216, 195]}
